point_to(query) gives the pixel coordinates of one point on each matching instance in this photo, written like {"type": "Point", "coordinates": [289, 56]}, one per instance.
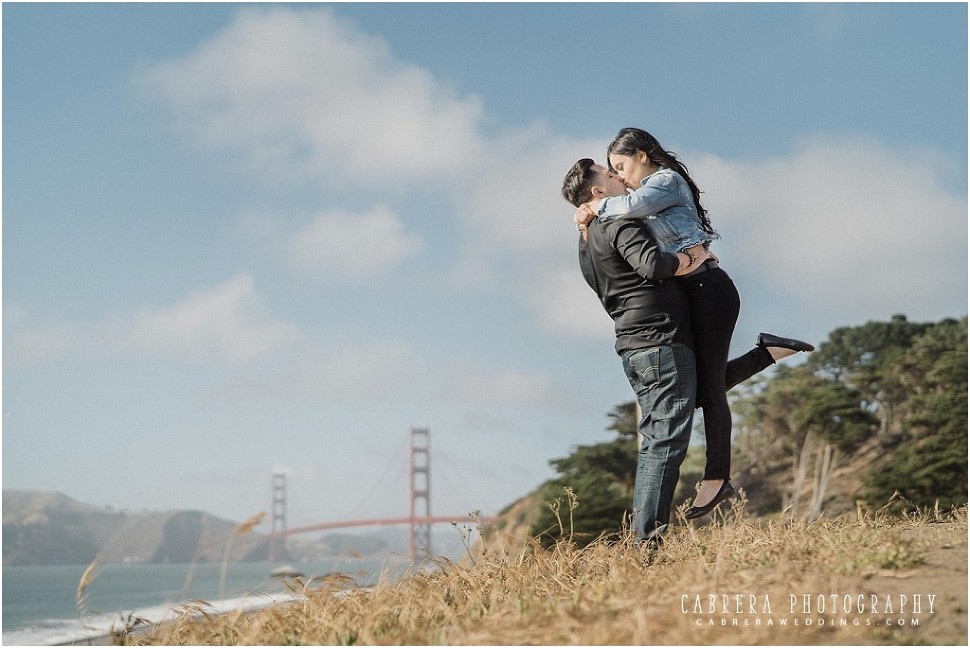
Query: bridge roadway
{"type": "Point", "coordinates": [325, 526]}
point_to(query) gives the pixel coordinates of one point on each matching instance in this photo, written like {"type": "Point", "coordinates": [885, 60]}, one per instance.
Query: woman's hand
{"type": "Point", "coordinates": [584, 215]}
{"type": "Point", "coordinates": [691, 259]}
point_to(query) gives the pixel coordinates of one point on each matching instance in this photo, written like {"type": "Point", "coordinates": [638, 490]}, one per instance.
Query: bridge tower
{"type": "Point", "coordinates": [420, 494]}
{"type": "Point", "coordinates": [279, 517]}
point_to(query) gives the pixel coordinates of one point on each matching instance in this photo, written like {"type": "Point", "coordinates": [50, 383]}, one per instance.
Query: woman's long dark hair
{"type": "Point", "coordinates": [630, 140]}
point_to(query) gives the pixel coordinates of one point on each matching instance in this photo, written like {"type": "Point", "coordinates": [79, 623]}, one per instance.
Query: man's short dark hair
{"type": "Point", "coordinates": [578, 184]}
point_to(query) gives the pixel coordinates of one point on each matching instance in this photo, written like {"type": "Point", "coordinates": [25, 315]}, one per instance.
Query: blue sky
{"type": "Point", "coordinates": [247, 238]}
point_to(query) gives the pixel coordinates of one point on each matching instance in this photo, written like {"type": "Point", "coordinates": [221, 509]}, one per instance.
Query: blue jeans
{"type": "Point", "coordinates": [665, 381]}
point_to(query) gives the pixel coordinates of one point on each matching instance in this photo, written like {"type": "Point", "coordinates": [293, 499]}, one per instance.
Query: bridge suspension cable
{"type": "Point", "coordinates": [420, 518]}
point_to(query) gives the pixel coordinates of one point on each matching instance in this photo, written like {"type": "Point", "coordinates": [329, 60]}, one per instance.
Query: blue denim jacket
{"type": "Point", "coordinates": [666, 205]}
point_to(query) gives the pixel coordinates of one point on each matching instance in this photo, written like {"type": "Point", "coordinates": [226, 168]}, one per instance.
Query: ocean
{"type": "Point", "coordinates": [40, 603]}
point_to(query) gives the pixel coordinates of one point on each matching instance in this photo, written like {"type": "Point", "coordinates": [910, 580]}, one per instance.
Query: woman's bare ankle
{"type": "Point", "coordinates": [777, 353]}
{"type": "Point", "coordinates": [707, 491]}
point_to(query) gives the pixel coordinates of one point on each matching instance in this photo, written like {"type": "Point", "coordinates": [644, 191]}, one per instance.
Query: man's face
{"type": "Point", "coordinates": [608, 182]}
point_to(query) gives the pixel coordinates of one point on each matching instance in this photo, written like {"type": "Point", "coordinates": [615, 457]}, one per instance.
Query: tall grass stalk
{"type": "Point", "coordinates": [81, 596]}
{"type": "Point", "coordinates": [241, 529]}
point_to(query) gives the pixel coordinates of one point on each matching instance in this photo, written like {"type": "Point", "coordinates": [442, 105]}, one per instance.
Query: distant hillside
{"type": "Point", "coordinates": [43, 528]}
{"type": "Point", "coordinates": [46, 528]}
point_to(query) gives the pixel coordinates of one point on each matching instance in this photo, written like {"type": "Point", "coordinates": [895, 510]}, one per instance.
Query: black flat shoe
{"type": "Point", "coordinates": [769, 340]}
{"type": "Point", "coordinates": [723, 493]}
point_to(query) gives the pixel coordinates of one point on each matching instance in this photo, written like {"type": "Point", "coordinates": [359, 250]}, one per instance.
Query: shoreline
{"type": "Point", "coordinates": [40, 606]}
{"type": "Point", "coordinates": [244, 605]}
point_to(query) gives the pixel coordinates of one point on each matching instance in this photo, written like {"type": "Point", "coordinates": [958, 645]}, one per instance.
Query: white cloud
{"type": "Point", "coordinates": [13, 314]}
{"type": "Point", "coordinates": [520, 234]}
{"type": "Point", "coordinates": [226, 321]}
{"type": "Point", "coordinates": [42, 345]}
{"type": "Point", "coordinates": [845, 225]}
{"type": "Point", "coordinates": [352, 373]}
{"type": "Point", "coordinates": [827, 24]}
{"type": "Point", "coordinates": [474, 387]}
{"type": "Point", "coordinates": [353, 245]}
{"type": "Point", "coordinates": [28, 339]}
{"type": "Point", "coordinates": [562, 302]}
{"type": "Point", "coordinates": [837, 231]}
{"type": "Point", "coordinates": [305, 93]}
{"type": "Point", "coordinates": [515, 203]}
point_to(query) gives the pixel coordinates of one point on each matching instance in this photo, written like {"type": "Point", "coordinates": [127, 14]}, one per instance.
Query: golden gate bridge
{"type": "Point", "coordinates": [420, 518]}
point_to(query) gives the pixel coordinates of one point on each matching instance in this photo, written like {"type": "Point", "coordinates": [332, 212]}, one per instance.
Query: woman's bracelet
{"type": "Point", "coordinates": [691, 257]}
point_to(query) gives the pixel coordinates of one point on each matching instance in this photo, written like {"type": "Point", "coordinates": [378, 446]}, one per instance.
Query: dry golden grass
{"type": "Point", "coordinates": [617, 594]}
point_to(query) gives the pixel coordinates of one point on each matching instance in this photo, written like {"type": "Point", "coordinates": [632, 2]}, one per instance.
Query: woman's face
{"type": "Point", "coordinates": [632, 168]}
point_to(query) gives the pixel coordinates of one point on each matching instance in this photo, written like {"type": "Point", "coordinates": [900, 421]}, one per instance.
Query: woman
{"type": "Point", "coordinates": [667, 199]}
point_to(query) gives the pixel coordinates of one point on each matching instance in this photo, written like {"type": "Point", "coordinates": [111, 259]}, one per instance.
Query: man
{"type": "Point", "coordinates": [623, 265]}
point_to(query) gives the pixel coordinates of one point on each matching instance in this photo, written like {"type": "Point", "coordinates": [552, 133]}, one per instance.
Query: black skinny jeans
{"type": "Point", "coordinates": [744, 366]}
{"type": "Point", "coordinates": [714, 308]}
